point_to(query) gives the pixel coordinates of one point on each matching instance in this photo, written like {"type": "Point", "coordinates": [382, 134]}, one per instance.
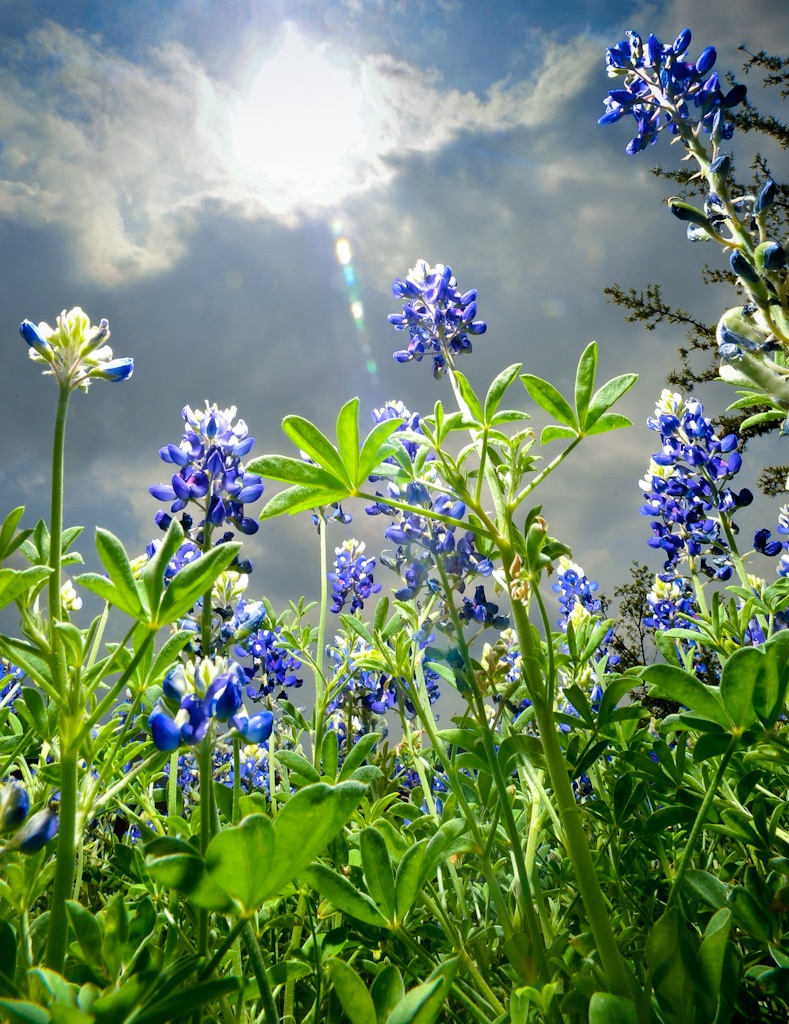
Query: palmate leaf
{"type": "Point", "coordinates": [339, 472]}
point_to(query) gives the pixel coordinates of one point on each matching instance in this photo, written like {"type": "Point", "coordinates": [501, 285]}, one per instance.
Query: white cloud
{"type": "Point", "coordinates": [122, 155]}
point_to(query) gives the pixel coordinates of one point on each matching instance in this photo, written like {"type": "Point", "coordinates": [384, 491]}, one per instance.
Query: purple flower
{"type": "Point", "coordinates": [352, 578]}
{"type": "Point", "coordinates": [209, 472]}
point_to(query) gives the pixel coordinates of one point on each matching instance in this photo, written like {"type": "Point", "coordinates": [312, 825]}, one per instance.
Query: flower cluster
{"type": "Point", "coordinates": [29, 834]}
{"type": "Point", "coordinates": [195, 698]}
{"type": "Point", "coordinates": [661, 87]}
{"type": "Point", "coordinates": [574, 590]}
{"type": "Point", "coordinates": [272, 658]}
{"type": "Point", "coordinates": [208, 469]}
{"type": "Point", "coordinates": [672, 603]}
{"type": "Point", "coordinates": [438, 318]}
{"type": "Point", "coordinates": [75, 352]}
{"type": "Point", "coordinates": [686, 487]}
{"type": "Point", "coordinates": [352, 578]}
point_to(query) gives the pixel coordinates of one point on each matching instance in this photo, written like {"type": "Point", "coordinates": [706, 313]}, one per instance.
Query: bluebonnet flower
{"type": "Point", "coordinates": [30, 834]}
{"type": "Point", "coordinates": [352, 577]}
{"type": "Point", "coordinates": [685, 487]}
{"type": "Point", "coordinates": [208, 469]}
{"type": "Point", "coordinates": [195, 698]}
{"type": "Point", "coordinates": [672, 603]}
{"type": "Point", "coordinates": [573, 588]}
{"type": "Point", "coordinates": [438, 318]}
{"type": "Point", "coordinates": [662, 89]}
{"type": "Point", "coordinates": [14, 805]}
{"type": "Point", "coordinates": [275, 665]}
{"type": "Point", "coordinates": [253, 771]}
{"type": "Point", "coordinates": [483, 611]}
{"type": "Point", "coordinates": [75, 352]}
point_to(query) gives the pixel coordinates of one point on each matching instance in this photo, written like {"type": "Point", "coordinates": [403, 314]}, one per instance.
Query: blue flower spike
{"type": "Point", "coordinates": [438, 317]}
{"type": "Point", "coordinates": [663, 90]}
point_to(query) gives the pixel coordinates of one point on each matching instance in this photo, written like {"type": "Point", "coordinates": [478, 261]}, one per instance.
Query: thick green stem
{"type": "Point", "coordinates": [65, 861]}
{"type": "Point", "coordinates": [320, 680]}
{"type": "Point", "coordinates": [259, 970]}
{"type": "Point", "coordinates": [56, 509]}
{"type": "Point", "coordinates": [619, 976]}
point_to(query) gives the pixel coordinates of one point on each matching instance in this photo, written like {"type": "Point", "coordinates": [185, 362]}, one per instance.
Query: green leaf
{"type": "Point", "coordinates": [176, 864]}
{"type": "Point", "coordinates": [408, 881]}
{"type": "Point", "coordinates": [21, 1012]}
{"type": "Point", "coordinates": [359, 752]}
{"type": "Point", "coordinates": [549, 399]}
{"type": "Point", "coordinates": [344, 895]}
{"type": "Point", "coordinates": [238, 860]}
{"type": "Point", "coordinates": [675, 684]}
{"type": "Point", "coordinates": [376, 448]}
{"type": "Point", "coordinates": [8, 542]}
{"type": "Point", "coordinates": [744, 673]}
{"type": "Point", "coordinates": [553, 432]}
{"type": "Point", "coordinates": [153, 573]}
{"type": "Point", "coordinates": [182, 1003]}
{"type": "Point", "coordinates": [305, 435]}
{"type": "Point", "coordinates": [193, 581]}
{"type": "Point", "coordinates": [467, 393]}
{"type": "Point", "coordinates": [422, 1004]}
{"type": "Point", "coordinates": [352, 992]}
{"type": "Point", "coordinates": [306, 824]}
{"type": "Point", "coordinates": [672, 965]}
{"type": "Point", "coordinates": [330, 754]}
{"type": "Point", "coordinates": [116, 933]}
{"type": "Point", "coordinates": [386, 990]}
{"type": "Point", "coordinates": [300, 499]}
{"type": "Point", "coordinates": [115, 560]}
{"type": "Point", "coordinates": [378, 870]}
{"type": "Point", "coordinates": [497, 389]}
{"type": "Point", "coordinates": [608, 395]}
{"type": "Point", "coordinates": [37, 709]}
{"type": "Point", "coordinates": [298, 764]}
{"type": "Point", "coordinates": [15, 582]}
{"type": "Point", "coordinates": [287, 470]}
{"type": "Point", "coordinates": [608, 421]}
{"type": "Point", "coordinates": [584, 382]}
{"type": "Point", "coordinates": [606, 1008]}
{"type": "Point", "coordinates": [348, 439]}
{"type": "Point", "coordinates": [712, 954]}
{"type": "Point", "coordinates": [88, 933]}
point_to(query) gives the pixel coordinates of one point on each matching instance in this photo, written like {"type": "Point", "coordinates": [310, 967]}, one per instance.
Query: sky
{"type": "Point", "coordinates": [187, 168]}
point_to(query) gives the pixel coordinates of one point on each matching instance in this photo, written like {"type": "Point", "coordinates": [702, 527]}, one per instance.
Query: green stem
{"type": "Point", "coordinates": [320, 679]}
{"type": "Point", "coordinates": [698, 824]}
{"type": "Point", "coordinates": [259, 970]}
{"type": "Point", "coordinates": [619, 976]}
{"type": "Point", "coordinates": [56, 509]}
{"type": "Point", "coordinates": [65, 860]}
{"type": "Point", "coordinates": [236, 812]}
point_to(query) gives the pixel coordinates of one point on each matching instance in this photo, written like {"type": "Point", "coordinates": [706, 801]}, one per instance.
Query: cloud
{"type": "Point", "coordinates": [125, 156]}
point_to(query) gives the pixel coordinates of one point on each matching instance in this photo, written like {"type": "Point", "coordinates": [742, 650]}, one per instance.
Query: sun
{"type": "Point", "coordinates": [301, 125]}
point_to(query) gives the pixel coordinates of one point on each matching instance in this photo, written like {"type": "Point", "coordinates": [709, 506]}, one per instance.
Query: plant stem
{"type": "Point", "coordinates": [698, 824]}
{"type": "Point", "coordinates": [619, 976]}
{"type": "Point", "coordinates": [259, 970]}
{"type": "Point", "coordinates": [65, 858]}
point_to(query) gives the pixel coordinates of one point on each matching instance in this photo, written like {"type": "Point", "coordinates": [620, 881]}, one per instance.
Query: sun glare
{"type": "Point", "coordinates": [301, 124]}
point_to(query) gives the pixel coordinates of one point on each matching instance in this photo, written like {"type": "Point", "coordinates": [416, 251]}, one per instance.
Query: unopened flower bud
{"type": "Point", "coordinates": [14, 805]}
